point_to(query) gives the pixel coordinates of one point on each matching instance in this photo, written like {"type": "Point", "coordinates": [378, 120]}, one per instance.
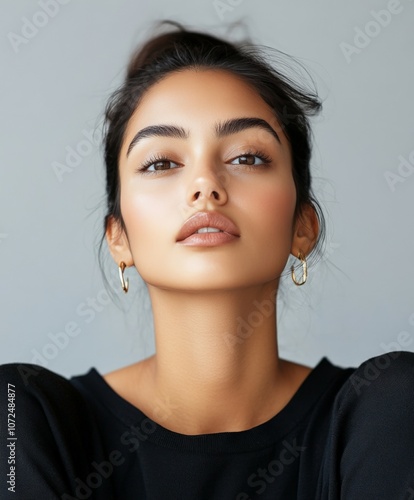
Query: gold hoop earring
{"type": "Point", "coordinates": [124, 284]}
{"type": "Point", "coordinates": [304, 271]}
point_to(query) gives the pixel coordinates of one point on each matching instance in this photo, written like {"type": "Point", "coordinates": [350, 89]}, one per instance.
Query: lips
{"type": "Point", "coordinates": [207, 219]}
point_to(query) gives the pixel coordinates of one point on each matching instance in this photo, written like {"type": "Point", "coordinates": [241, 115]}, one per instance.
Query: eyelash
{"type": "Point", "coordinates": [157, 158]}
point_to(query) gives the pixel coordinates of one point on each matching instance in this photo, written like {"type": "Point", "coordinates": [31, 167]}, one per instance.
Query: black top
{"type": "Point", "coordinates": [346, 433]}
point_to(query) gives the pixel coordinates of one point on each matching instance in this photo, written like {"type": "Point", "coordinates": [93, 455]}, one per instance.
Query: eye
{"type": "Point", "coordinates": [160, 164]}
{"type": "Point", "coordinates": [249, 158]}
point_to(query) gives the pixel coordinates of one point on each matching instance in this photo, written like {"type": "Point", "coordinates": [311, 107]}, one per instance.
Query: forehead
{"type": "Point", "coordinates": [216, 84]}
{"type": "Point", "coordinates": [198, 98]}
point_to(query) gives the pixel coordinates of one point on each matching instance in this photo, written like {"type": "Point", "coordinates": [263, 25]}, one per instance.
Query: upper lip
{"type": "Point", "coordinates": [207, 219]}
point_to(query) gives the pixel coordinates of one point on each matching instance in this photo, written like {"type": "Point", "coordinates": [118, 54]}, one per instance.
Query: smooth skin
{"type": "Point", "coordinates": [207, 375]}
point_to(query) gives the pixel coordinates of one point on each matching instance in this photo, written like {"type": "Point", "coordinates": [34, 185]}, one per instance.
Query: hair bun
{"type": "Point", "coordinates": [173, 42]}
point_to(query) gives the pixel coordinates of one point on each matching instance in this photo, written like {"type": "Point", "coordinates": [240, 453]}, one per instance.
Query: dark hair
{"type": "Point", "coordinates": [182, 49]}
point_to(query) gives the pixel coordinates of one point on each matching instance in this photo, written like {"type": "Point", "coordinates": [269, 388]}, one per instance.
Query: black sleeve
{"type": "Point", "coordinates": [43, 433]}
{"type": "Point", "coordinates": [371, 444]}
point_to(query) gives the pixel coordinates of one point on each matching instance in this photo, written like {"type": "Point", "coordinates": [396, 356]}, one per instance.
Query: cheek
{"type": "Point", "coordinates": [151, 215]}
{"type": "Point", "coordinates": [142, 215]}
{"type": "Point", "coordinates": [268, 224]}
{"type": "Point", "coordinates": [274, 207]}
{"type": "Point", "coordinates": [132, 211]}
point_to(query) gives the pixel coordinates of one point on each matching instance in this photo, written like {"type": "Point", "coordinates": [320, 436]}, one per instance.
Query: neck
{"type": "Point", "coordinates": [216, 351]}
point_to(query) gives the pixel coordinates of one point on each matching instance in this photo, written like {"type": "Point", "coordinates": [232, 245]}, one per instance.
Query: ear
{"type": "Point", "coordinates": [118, 242]}
{"type": "Point", "coordinates": [306, 230]}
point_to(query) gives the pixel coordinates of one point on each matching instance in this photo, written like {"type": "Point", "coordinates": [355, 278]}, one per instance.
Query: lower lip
{"type": "Point", "coordinates": [208, 239]}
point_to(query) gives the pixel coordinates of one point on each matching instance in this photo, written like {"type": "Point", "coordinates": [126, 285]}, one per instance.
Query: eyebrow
{"type": "Point", "coordinates": [222, 129]}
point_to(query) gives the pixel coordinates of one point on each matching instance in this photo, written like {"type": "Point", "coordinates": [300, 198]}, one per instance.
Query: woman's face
{"type": "Point", "coordinates": [206, 172]}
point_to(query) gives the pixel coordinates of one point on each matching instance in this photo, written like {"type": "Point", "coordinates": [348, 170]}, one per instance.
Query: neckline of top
{"type": "Point", "coordinates": [143, 428]}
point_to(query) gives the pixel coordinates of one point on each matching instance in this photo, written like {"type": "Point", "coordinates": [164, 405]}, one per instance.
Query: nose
{"type": "Point", "coordinates": [208, 186]}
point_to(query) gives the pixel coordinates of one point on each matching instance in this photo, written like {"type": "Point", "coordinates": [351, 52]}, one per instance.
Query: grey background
{"type": "Point", "coordinates": [359, 298]}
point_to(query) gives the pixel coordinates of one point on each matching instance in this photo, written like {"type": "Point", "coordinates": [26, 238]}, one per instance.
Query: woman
{"type": "Point", "coordinates": [207, 152]}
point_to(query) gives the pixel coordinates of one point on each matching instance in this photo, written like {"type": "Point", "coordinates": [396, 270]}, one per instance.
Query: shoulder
{"type": "Point", "coordinates": [35, 382]}
{"type": "Point", "coordinates": [44, 422]}
{"type": "Point", "coordinates": [379, 393]}
{"type": "Point", "coordinates": [372, 429]}
{"type": "Point", "coordinates": [390, 374]}
{"type": "Point", "coordinates": [44, 401]}
{"type": "Point", "coordinates": [28, 374]}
